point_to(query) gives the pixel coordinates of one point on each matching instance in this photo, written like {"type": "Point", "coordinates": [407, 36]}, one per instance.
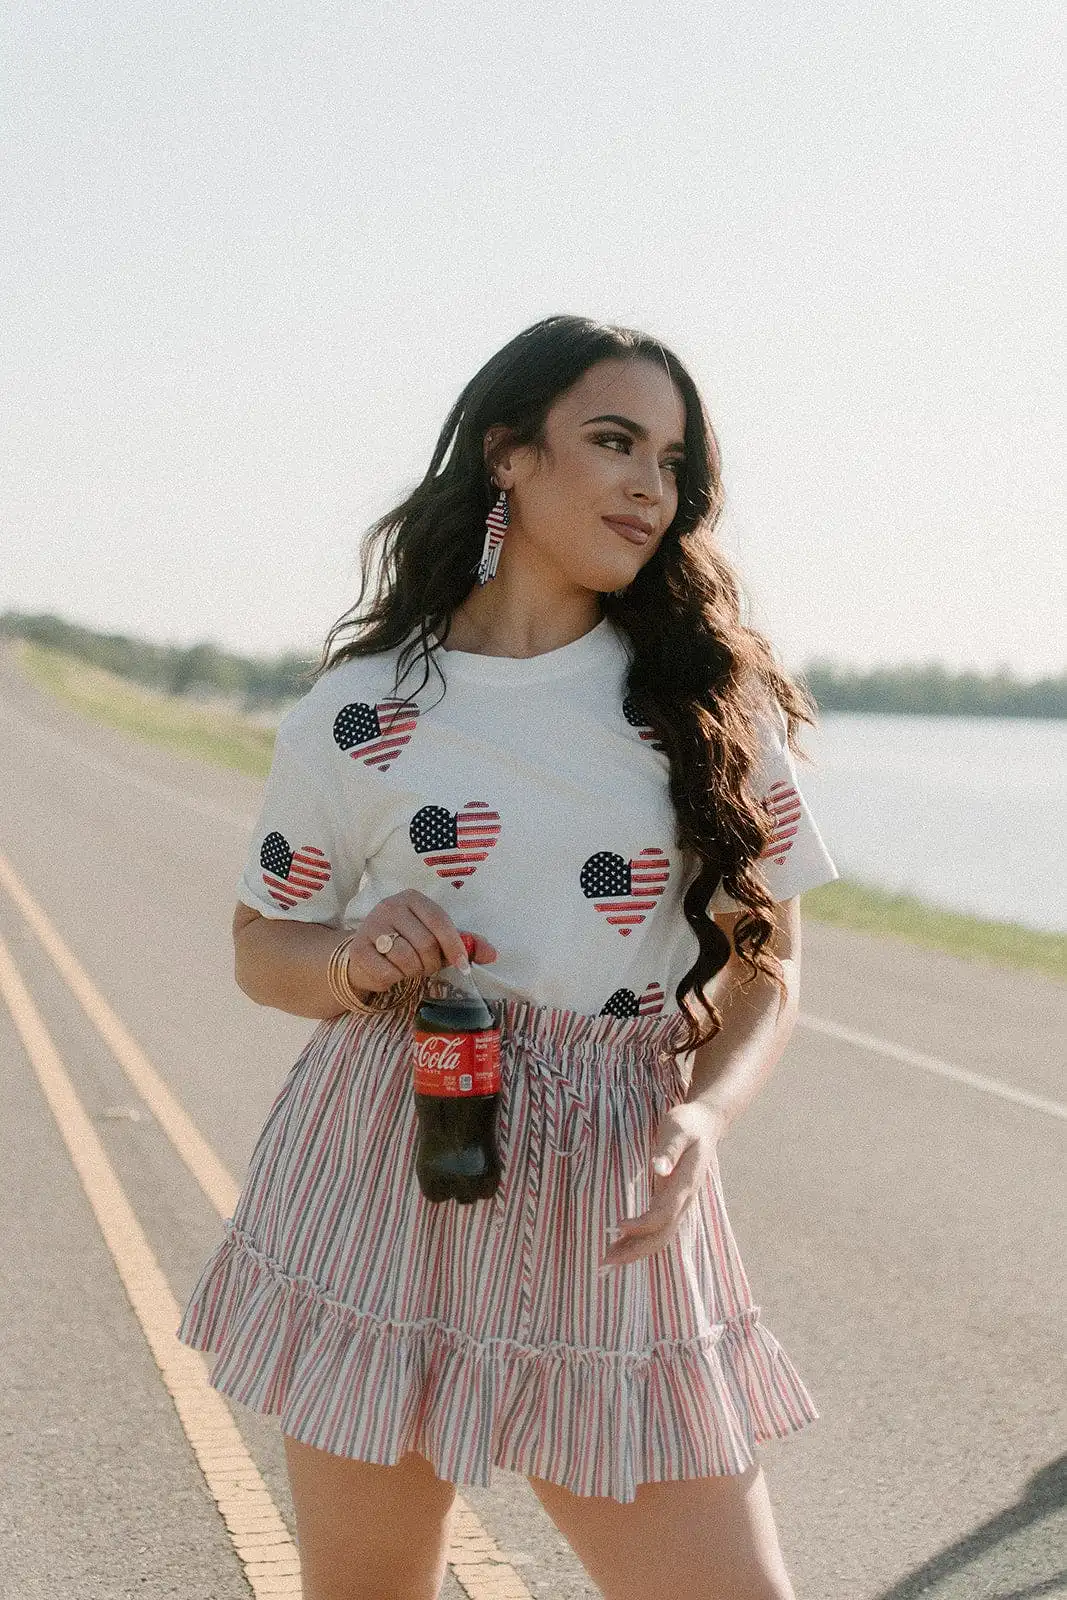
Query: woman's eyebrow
{"type": "Point", "coordinates": [634, 427]}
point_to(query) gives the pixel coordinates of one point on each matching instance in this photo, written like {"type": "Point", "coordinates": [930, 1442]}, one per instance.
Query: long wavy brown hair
{"type": "Point", "coordinates": [700, 677]}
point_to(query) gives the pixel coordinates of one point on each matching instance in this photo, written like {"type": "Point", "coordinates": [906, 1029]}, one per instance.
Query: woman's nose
{"type": "Point", "coordinates": [648, 483]}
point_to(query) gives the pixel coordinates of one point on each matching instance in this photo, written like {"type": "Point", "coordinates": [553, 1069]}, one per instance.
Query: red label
{"type": "Point", "coordinates": [457, 1063]}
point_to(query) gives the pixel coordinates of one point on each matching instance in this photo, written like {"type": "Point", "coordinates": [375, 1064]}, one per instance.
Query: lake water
{"type": "Point", "coordinates": [964, 811]}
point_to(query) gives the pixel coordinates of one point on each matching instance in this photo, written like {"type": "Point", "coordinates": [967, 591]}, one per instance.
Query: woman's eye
{"type": "Point", "coordinates": [674, 465]}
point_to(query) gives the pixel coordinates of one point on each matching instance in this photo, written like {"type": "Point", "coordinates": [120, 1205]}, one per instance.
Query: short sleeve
{"type": "Point", "coordinates": [795, 858]}
{"type": "Point", "coordinates": [302, 863]}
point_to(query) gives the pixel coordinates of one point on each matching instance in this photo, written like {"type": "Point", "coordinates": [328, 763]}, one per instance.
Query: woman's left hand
{"type": "Point", "coordinates": [686, 1145]}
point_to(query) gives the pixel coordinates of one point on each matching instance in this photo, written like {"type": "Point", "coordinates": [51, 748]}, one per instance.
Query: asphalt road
{"type": "Point", "coordinates": [902, 1230]}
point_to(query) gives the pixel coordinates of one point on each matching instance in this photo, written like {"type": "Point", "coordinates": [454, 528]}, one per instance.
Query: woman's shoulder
{"type": "Point", "coordinates": [353, 690]}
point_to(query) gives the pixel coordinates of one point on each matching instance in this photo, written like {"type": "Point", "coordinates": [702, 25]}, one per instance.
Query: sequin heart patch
{"type": "Point", "coordinates": [455, 843]}
{"type": "Point", "coordinates": [625, 891]}
{"type": "Point", "coordinates": [292, 875]}
{"type": "Point", "coordinates": [625, 1003]}
{"type": "Point", "coordinates": [375, 734]}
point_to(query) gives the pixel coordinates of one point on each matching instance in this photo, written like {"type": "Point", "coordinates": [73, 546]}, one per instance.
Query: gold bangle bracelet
{"type": "Point", "coordinates": [397, 998]}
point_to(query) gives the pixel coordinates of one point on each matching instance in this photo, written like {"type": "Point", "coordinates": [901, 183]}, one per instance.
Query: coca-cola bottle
{"type": "Point", "coordinates": [457, 1088]}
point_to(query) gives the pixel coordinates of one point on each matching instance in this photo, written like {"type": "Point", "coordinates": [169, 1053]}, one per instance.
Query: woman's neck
{"type": "Point", "coordinates": [482, 628]}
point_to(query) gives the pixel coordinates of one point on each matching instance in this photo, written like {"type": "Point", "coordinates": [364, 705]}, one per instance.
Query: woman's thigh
{"type": "Point", "coordinates": [704, 1538]}
{"type": "Point", "coordinates": [368, 1532]}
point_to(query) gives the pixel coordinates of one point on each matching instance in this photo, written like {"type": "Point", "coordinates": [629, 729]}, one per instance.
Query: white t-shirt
{"type": "Point", "coordinates": [528, 800]}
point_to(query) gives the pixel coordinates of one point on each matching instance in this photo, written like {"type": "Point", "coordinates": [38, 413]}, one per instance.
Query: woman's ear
{"type": "Point", "coordinates": [496, 455]}
{"type": "Point", "coordinates": [489, 446]}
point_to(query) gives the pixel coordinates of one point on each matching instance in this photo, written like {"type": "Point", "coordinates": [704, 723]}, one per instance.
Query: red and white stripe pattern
{"type": "Point", "coordinates": [398, 721]}
{"type": "Point", "coordinates": [477, 831]}
{"type": "Point", "coordinates": [650, 1003]}
{"type": "Point", "coordinates": [649, 875]}
{"type": "Point", "coordinates": [373, 1322]}
{"type": "Point", "coordinates": [783, 803]}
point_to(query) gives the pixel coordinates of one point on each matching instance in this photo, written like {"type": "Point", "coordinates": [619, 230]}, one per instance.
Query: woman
{"type": "Point", "coordinates": [604, 796]}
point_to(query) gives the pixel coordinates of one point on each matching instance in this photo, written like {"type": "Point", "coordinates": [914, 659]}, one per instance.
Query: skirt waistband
{"type": "Point", "coordinates": [548, 1027]}
{"type": "Point", "coordinates": [556, 1031]}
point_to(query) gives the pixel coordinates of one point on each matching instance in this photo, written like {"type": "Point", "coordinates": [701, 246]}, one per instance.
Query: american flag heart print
{"type": "Point", "coordinates": [634, 886]}
{"type": "Point", "coordinates": [624, 1003]}
{"type": "Point", "coordinates": [455, 843]}
{"type": "Point", "coordinates": [651, 1001]}
{"type": "Point", "coordinates": [635, 719]}
{"type": "Point", "coordinates": [375, 734]}
{"type": "Point", "coordinates": [292, 875]}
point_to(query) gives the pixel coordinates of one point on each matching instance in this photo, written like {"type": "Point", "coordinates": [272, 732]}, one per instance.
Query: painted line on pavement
{"type": "Point", "coordinates": [915, 1058]}
{"type": "Point", "coordinates": [261, 1542]}
{"type": "Point", "coordinates": [193, 1149]}
{"type": "Point", "coordinates": [478, 1564]}
{"type": "Point", "coordinates": [834, 1030]}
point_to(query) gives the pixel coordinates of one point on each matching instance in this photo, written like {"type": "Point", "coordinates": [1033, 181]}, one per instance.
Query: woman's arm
{"type": "Point", "coordinates": [283, 964]}
{"type": "Point", "coordinates": [730, 1070]}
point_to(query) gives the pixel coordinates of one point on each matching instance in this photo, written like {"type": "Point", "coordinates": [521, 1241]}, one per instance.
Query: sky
{"type": "Point", "coordinates": [255, 251]}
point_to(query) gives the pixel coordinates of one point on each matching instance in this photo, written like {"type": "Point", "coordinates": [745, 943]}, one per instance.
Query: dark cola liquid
{"type": "Point", "coordinates": [457, 1155]}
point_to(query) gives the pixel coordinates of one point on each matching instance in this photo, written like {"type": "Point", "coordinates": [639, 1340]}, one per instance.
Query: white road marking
{"type": "Point", "coordinates": [946, 1069]}
{"type": "Point", "coordinates": [864, 1041]}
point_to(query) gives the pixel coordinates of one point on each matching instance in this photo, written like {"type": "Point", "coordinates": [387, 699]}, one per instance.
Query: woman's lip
{"type": "Point", "coordinates": [635, 535]}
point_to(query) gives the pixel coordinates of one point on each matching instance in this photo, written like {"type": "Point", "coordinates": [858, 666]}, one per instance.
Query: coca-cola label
{"type": "Point", "coordinates": [457, 1063]}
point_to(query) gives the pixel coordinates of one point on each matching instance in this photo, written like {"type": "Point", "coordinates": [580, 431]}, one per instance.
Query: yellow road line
{"type": "Point", "coordinates": [260, 1537]}
{"type": "Point", "coordinates": [181, 1130]}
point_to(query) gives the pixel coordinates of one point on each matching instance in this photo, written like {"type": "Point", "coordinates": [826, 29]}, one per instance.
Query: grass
{"type": "Point", "coordinates": [222, 737]}
{"type": "Point", "coordinates": [849, 903]}
{"type": "Point", "coordinates": [227, 739]}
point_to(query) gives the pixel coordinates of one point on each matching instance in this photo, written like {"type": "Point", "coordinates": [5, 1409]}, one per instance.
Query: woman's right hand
{"type": "Point", "coordinates": [429, 940]}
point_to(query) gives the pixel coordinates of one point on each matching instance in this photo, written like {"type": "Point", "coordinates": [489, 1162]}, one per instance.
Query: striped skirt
{"type": "Point", "coordinates": [374, 1322]}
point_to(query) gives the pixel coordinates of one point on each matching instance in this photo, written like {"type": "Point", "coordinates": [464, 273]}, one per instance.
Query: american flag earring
{"type": "Point", "coordinates": [495, 524]}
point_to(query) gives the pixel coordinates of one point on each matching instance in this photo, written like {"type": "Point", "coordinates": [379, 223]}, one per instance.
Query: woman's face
{"type": "Point", "coordinates": [614, 448]}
